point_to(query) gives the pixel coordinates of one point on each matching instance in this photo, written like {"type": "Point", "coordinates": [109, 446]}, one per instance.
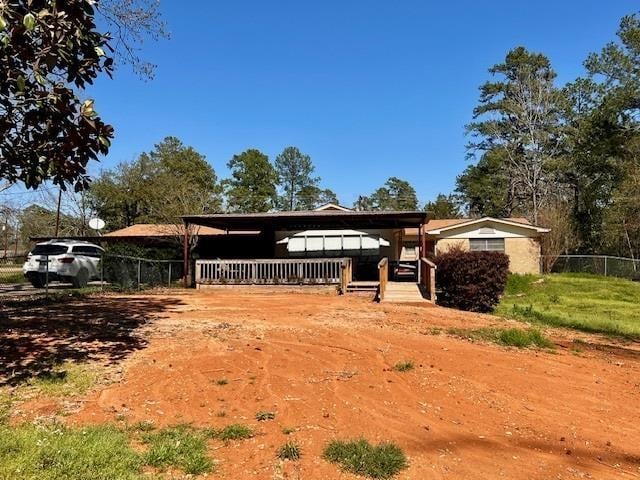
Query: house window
{"type": "Point", "coordinates": [487, 244]}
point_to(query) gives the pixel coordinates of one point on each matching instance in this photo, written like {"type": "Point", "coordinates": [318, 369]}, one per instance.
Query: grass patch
{"type": "Point", "coordinates": [589, 303]}
{"type": "Point", "coordinates": [13, 277]}
{"type": "Point", "coordinates": [404, 366]}
{"type": "Point", "coordinates": [289, 451]}
{"type": "Point", "coordinates": [6, 402]}
{"type": "Point", "coordinates": [288, 430]}
{"type": "Point", "coordinates": [65, 379]}
{"type": "Point", "coordinates": [181, 446]}
{"type": "Point", "coordinates": [143, 426]}
{"type": "Point", "coordinates": [264, 416]}
{"type": "Point", "coordinates": [360, 457]}
{"type": "Point", "coordinates": [511, 337]}
{"type": "Point", "coordinates": [222, 381]}
{"type": "Point", "coordinates": [59, 453]}
{"type": "Point", "coordinates": [236, 431]}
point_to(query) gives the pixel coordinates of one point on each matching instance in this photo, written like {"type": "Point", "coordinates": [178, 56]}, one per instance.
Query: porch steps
{"type": "Point", "coordinates": [403, 292]}
{"type": "Point", "coordinates": [363, 287]}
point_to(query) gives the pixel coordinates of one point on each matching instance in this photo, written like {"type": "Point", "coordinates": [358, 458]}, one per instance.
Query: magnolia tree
{"type": "Point", "coordinates": [50, 51]}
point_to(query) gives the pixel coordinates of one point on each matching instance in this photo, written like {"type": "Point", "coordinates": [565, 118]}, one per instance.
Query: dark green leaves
{"type": "Point", "coordinates": [46, 131]}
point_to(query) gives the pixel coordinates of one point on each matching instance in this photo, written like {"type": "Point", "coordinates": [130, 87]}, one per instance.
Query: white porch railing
{"type": "Point", "coordinates": [279, 271]}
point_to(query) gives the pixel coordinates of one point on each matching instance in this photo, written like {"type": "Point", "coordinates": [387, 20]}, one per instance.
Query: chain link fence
{"type": "Point", "coordinates": [598, 264]}
{"type": "Point", "coordinates": [51, 273]}
{"type": "Point", "coordinates": [11, 276]}
{"type": "Point", "coordinates": [133, 273]}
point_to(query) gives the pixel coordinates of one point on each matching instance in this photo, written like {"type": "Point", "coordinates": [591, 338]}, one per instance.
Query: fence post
{"type": "Point", "coordinates": [138, 274]}
{"type": "Point", "coordinates": [46, 277]}
{"type": "Point", "coordinates": [102, 273]}
{"type": "Point", "coordinates": [170, 274]}
{"type": "Point", "coordinates": [605, 265]}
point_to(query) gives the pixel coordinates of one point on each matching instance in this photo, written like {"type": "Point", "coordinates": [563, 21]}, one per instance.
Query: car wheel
{"type": "Point", "coordinates": [37, 281]}
{"type": "Point", "coordinates": [81, 279]}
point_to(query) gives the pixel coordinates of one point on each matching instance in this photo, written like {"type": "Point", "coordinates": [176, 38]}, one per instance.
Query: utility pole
{"type": "Point", "coordinates": [6, 233]}
{"type": "Point", "coordinates": [58, 212]}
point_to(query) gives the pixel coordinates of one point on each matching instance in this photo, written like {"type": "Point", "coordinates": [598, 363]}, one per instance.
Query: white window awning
{"type": "Point", "coordinates": [333, 241]}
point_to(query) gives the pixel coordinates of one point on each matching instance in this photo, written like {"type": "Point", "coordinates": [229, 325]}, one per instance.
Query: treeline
{"type": "Point", "coordinates": [174, 179]}
{"type": "Point", "coordinates": [566, 157]}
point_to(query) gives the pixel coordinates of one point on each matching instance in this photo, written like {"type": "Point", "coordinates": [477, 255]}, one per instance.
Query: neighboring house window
{"type": "Point", "coordinates": [490, 244]}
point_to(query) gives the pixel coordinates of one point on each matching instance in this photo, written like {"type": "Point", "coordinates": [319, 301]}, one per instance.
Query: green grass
{"type": "Point", "coordinates": [234, 432]}
{"type": "Point", "coordinates": [6, 402]}
{"type": "Point", "coordinates": [404, 366]}
{"type": "Point", "coordinates": [12, 277]}
{"type": "Point", "coordinates": [58, 453]}
{"type": "Point", "coordinates": [589, 303]}
{"type": "Point", "coordinates": [65, 379]}
{"type": "Point", "coordinates": [511, 337]}
{"type": "Point", "coordinates": [289, 451]}
{"type": "Point", "coordinates": [181, 446]}
{"type": "Point", "coordinates": [264, 416]}
{"type": "Point", "coordinates": [360, 457]}
{"type": "Point", "coordinates": [105, 452]}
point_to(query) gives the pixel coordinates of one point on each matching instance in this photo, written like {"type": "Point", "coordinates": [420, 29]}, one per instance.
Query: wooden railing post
{"type": "Point", "coordinates": [428, 278]}
{"type": "Point", "coordinates": [383, 276]}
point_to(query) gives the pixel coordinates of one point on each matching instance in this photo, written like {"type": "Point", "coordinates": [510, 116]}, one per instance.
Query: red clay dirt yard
{"type": "Point", "coordinates": [324, 365]}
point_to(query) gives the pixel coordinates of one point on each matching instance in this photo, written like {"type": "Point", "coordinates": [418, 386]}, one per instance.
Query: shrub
{"type": "Point", "coordinates": [472, 281]}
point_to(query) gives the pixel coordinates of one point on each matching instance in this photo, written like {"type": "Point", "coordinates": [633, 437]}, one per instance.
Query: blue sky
{"type": "Point", "coordinates": [370, 89]}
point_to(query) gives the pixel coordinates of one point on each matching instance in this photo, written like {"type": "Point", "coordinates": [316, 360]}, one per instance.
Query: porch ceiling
{"type": "Point", "coordinates": [309, 220]}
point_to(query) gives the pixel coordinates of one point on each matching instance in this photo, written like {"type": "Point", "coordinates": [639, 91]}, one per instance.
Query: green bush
{"type": "Point", "coordinates": [472, 281]}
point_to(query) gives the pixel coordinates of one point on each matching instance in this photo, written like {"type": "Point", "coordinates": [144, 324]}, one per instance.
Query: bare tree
{"type": "Point", "coordinates": [562, 238]}
{"type": "Point", "coordinates": [131, 23]}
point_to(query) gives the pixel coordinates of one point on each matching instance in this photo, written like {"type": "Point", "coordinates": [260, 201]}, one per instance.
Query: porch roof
{"type": "Point", "coordinates": [308, 220]}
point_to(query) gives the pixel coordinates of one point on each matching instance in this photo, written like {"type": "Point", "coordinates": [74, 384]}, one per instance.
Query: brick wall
{"type": "Point", "coordinates": [445, 244]}
{"type": "Point", "coordinates": [524, 254]}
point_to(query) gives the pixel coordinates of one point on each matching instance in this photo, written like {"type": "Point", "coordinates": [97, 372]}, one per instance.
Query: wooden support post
{"type": "Point", "coordinates": [185, 255]}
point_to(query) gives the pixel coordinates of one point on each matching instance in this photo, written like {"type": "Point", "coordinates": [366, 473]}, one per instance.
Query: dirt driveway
{"type": "Point", "coordinates": [323, 364]}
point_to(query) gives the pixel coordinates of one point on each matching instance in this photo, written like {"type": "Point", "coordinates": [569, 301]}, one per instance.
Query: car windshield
{"type": "Point", "coordinates": [49, 249]}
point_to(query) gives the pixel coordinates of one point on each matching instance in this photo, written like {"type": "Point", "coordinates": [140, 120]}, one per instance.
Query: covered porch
{"type": "Point", "coordinates": [331, 247]}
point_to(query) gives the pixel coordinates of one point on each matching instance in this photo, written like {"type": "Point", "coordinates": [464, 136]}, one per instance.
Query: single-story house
{"type": "Point", "coordinates": [313, 245]}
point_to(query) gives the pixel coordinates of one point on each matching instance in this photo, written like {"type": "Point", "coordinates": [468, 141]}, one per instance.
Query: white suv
{"type": "Point", "coordinates": [68, 261]}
